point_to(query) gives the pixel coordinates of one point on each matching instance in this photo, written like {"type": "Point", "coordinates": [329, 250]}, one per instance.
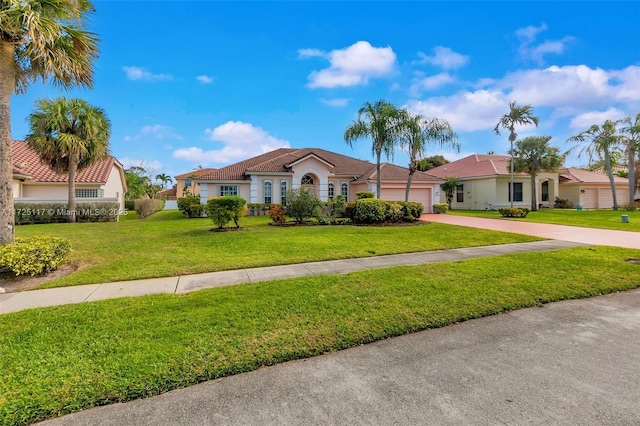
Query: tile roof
{"type": "Point", "coordinates": [475, 165]}
{"type": "Point", "coordinates": [194, 173]}
{"type": "Point", "coordinates": [277, 161]}
{"type": "Point", "coordinates": [27, 162]}
{"type": "Point", "coordinates": [573, 175]}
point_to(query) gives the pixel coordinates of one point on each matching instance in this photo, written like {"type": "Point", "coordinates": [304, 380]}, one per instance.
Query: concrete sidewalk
{"type": "Point", "coordinates": [13, 302]}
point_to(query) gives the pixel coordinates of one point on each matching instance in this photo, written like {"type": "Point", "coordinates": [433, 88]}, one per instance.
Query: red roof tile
{"type": "Point", "coordinates": [474, 166]}
{"type": "Point", "coordinates": [573, 175]}
{"type": "Point", "coordinates": [27, 162]}
{"type": "Point", "coordinates": [194, 173]}
{"type": "Point", "coordinates": [277, 161]}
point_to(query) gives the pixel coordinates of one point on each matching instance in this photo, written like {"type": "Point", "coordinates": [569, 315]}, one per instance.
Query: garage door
{"type": "Point", "coordinates": [417, 195]}
{"type": "Point", "coordinates": [590, 198]}
{"type": "Point", "coordinates": [605, 199]}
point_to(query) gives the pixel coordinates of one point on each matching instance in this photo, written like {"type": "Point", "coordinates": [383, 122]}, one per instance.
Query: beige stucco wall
{"type": "Point", "coordinates": [46, 191]}
{"type": "Point", "coordinates": [114, 187]}
{"type": "Point", "coordinates": [15, 188]}
{"type": "Point", "coordinates": [193, 189]}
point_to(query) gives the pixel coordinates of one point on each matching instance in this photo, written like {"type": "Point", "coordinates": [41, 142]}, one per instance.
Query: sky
{"type": "Point", "coordinates": [189, 84]}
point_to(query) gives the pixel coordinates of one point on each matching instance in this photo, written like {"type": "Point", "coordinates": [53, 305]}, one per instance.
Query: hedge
{"type": "Point", "coordinates": [37, 213]}
{"type": "Point", "coordinates": [34, 255]}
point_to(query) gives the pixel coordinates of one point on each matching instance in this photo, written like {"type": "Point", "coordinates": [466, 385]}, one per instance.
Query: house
{"type": "Point", "coordinates": [35, 182]}
{"type": "Point", "coordinates": [267, 177]}
{"type": "Point", "coordinates": [186, 182]}
{"type": "Point", "coordinates": [485, 181]}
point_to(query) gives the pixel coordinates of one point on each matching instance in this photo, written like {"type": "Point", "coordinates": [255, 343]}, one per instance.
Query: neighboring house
{"type": "Point", "coordinates": [484, 185]}
{"type": "Point", "coordinates": [35, 182]}
{"type": "Point", "coordinates": [267, 177]}
{"type": "Point", "coordinates": [186, 182]}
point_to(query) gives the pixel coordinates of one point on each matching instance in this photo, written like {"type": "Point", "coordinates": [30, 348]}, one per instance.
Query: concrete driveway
{"type": "Point", "coordinates": [603, 237]}
{"type": "Point", "coordinates": [568, 363]}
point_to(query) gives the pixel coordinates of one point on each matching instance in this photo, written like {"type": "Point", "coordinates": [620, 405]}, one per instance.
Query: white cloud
{"type": "Point", "coordinates": [150, 166]}
{"type": "Point", "coordinates": [529, 50]}
{"type": "Point", "coordinates": [443, 57]}
{"type": "Point", "coordinates": [155, 131]}
{"type": "Point", "coordinates": [239, 141]}
{"type": "Point", "coordinates": [587, 119]}
{"type": "Point", "coordinates": [432, 82]}
{"type": "Point", "coordinates": [137, 73]}
{"type": "Point", "coordinates": [351, 66]}
{"type": "Point", "coordinates": [205, 79]}
{"type": "Point", "coordinates": [336, 102]}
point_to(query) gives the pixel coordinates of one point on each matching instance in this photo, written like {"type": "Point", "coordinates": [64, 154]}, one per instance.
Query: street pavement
{"type": "Point", "coordinates": [575, 362]}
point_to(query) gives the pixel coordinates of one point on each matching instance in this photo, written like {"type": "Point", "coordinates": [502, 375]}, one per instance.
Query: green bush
{"type": "Point", "coordinates": [394, 212]}
{"type": "Point", "coordinates": [222, 210]}
{"type": "Point", "coordinates": [350, 210]}
{"type": "Point", "coordinates": [361, 195]}
{"type": "Point", "coordinates": [330, 210]}
{"type": "Point", "coordinates": [440, 208]}
{"type": "Point", "coordinates": [412, 211]}
{"type": "Point", "coordinates": [513, 212]}
{"type": "Point", "coordinates": [34, 255]}
{"type": "Point", "coordinates": [563, 203]}
{"type": "Point", "coordinates": [190, 206]}
{"type": "Point", "coordinates": [630, 207]}
{"type": "Point", "coordinates": [301, 203]}
{"type": "Point", "coordinates": [370, 210]}
{"type": "Point", "coordinates": [147, 207]}
{"type": "Point", "coordinates": [129, 205]}
{"type": "Point", "coordinates": [37, 213]}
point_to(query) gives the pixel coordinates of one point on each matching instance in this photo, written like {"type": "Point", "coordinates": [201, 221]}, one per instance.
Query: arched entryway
{"type": "Point", "coordinates": [310, 181]}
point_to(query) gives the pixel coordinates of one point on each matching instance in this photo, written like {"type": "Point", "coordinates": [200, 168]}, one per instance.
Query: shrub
{"type": "Point", "coordinates": [301, 203]}
{"type": "Point", "coordinates": [34, 255]}
{"type": "Point", "coordinates": [412, 211]}
{"type": "Point", "coordinates": [350, 210]}
{"type": "Point", "coordinates": [513, 212]}
{"type": "Point", "coordinates": [370, 210]}
{"type": "Point", "coordinates": [36, 213]}
{"type": "Point", "coordinates": [190, 206]}
{"type": "Point", "coordinates": [331, 210]}
{"type": "Point", "coordinates": [147, 207]}
{"type": "Point", "coordinates": [440, 208]}
{"type": "Point", "coordinates": [630, 207]}
{"type": "Point", "coordinates": [393, 212]}
{"type": "Point", "coordinates": [278, 214]}
{"type": "Point", "coordinates": [364, 194]}
{"type": "Point", "coordinates": [129, 205]}
{"type": "Point", "coordinates": [563, 203]}
{"type": "Point", "coordinates": [222, 210]}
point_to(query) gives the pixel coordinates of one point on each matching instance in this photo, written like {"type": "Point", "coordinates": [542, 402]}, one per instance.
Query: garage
{"type": "Point", "coordinates": [422, 195]}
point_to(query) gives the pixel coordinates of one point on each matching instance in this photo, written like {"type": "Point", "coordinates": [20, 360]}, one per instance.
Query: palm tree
{"type": "Point", "coordinates": [38, 39]}
{"type": "Point", "coordinates": [533, 155]}
{"type": "Point", "coordinates": [449, 187]}
{"type": "Point", "coordinates": [631, 140]}
{"type": "Point", "coordinates": [417, 132]}
{"type": "Point", "coordinates": [164, 178]}
{"type": "Point", "coordinates": [380, 122]}
{"type": "Point", "coordinates": [70, 135]}
{"type": "Point", "coordinates": [604, 142]}
{"type": "Point", "coordinates": [519, 115]}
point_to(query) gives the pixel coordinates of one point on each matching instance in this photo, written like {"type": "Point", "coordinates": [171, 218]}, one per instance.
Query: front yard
{"type": "Point", "coordinates": [604, 219]}
{"type": "Point", "coordinates": [167, 244]}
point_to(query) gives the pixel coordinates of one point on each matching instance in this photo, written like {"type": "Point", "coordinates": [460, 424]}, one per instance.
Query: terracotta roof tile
{"type": "Point", "coordinates": [195, 173]}
{"type": "Point", "coordinates": [573, 175]}
{"type": "Point", "coordinates": [28, 162]}
{"type": "Point", "coordinates": [473, 166]}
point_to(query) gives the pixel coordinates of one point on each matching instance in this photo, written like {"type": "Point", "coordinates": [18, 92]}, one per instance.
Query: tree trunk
{"type": "Point", "coordinates": [607, 166]}
{"type": "Point", "coordinates": [631, 165]}
{"type": "Point", "coordinates": [534, 201]}
{"type": "Point", "coordinates": [378, 174]}
{"type": "Point", "coordinates": [7, 86]}
{"type": "Point", "coordinates": [406, 191]}
{"type": "Point", "coordinates": [72, 187]}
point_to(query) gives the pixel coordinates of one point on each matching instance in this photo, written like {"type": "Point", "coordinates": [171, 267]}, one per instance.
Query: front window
{"type": "Point", "coordinates": [267, 192]}
{"type": "Point", "coordinates": [344, 190]}
{"type": "Point", "coordinates": [460, 194]}
{"type": "Point", "coordinates": [88, 193]}
{"type": "Point", "coordinates": [517, 191]}
{"type": "Point", "coordinates": [187, 183]}
{"type": "Point", "coordinates": [307, 180]}
{"type": "Point", "coordinates": [228, 190]}
{"type": "Point", "coordinates": [331, 190]}
{"type": "Point", "coordinates": [545, 191]}
{"type": "Point", "coordinates": [283, 192]}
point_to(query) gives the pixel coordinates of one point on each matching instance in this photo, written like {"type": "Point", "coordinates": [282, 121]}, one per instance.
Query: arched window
{"type": "Point", "coordinates": [344, 190]}
{"type": "Point", "coordinates": [267, 192]}
{"type": "Point", "coordinates": [283, 192]}
{"type": "Point", "coordinates": [331, 190]}
{"type": "Point", "coordinates": [307, 180]}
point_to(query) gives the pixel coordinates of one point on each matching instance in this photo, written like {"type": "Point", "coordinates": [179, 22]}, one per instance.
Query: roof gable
{"type": "Point", "coordinates": [574, 175]}
{"type": "Point", "coordinates": [27, 161]}
{"type": "Point", "coordinates": [475, 165]}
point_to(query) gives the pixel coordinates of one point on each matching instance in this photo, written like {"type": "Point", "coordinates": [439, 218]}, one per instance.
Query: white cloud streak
{"type": "Point", "coordinates": [443, 57]}
{"type": "Point", "coordinates": [139, 74]}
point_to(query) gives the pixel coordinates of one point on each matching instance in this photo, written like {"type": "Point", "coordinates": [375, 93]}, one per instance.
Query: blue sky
{"type": "Point", "coordinates": [208, 83]}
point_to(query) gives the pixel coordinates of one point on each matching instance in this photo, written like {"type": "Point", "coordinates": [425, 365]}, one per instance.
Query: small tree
{"type": "Point", "coordinates": [222, 210]}
{"type": "Point", "coordinates": [301, 203]}
{"type": "Point", "coordinates": [449, 188]}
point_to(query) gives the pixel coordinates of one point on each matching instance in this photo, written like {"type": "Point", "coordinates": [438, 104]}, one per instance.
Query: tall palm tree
{"type": "Point", "coordinates": [417, 132]}
{"type": "Point", "coordinates": [533, 155]}
{"type": "Point", "coordinates": [519, 115]}
{"type": "Point", "coordinates": [603, 142]}
{"type": "Point", "coordinates": [38, 39]}
{"type": "Point", "coordinates": [70, 135]}
{"type": "Point", "coordinates": [631, 141]}
{"type": "Point", "coordinates": [380, 122]}
{"type": "Point", "coordinates": [164, 178]}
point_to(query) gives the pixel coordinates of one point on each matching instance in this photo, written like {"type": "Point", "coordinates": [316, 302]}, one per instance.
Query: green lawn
{"type": "Point", "coordinates": [167, 244]}
{"type": "Point", "coordinates": [605, 219]}
{"type": "Point", "coordinates": [63, 359]}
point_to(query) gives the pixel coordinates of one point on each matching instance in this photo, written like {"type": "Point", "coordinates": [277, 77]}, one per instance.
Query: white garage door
{"type": "Point", "coordinates": [605, 199]}
{"type": "Point", "coordinates": [590, 198]}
